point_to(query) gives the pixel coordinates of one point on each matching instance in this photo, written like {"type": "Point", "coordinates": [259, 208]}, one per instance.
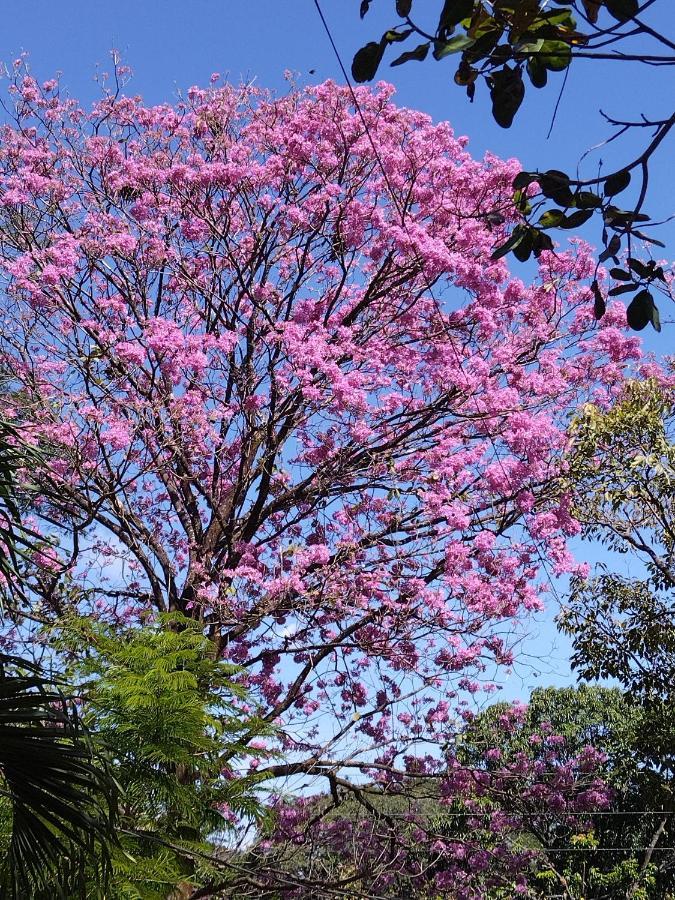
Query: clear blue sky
{"type": "Point", "coordinates": [172, 44]}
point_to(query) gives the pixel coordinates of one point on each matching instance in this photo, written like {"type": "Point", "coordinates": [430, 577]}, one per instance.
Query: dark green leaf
{"type": "Point", "coordinates": [656, 318]}
{"type": "Point", "coordinates": [524, 248]}
{"type": "Point", "coordinates": [395, 37]}
{"type": "Point", "coordinates": [587, 200]}
{"type": "Point", "coordinates": [591, 8]}
{"type": "Point", "coordinates": [617, 182]}
{"type": "Point", "coordinates": [622, 10]}
{"type": "Point", "coordinates": [599, 305]}
{"type": "Point", "coordinates": [620, 274]}
{"type": "Point", "coordinates": [419, 53]}
{"type": "Point", "coordinates": [516, 236]}
{"type": "Point", "coordinates": [452, 14]}
{"type": "Point", "coordinates": [551, 218]}
{"type": "Point", "coordinates": [622, 289]}
{"type": "Point", "coordinates": [623, 217]}
{"type": "Point", "coordinates": [522, 202]}
{"type": "Point", "coordinates": [523, 180]}
{"type": "Point", "coordinates": [556, 186]}
{"type": "Point", "coordinates": [611, 249]}
{"type": "Point", "coordinates": [465, 74]}
{"type": "Point", "coordinates": [640, 312]}
{"type": "Point", "coordinates": [646, 237]}
{"type": "Point", "coordinates": [403, 8]}
{"type": "Point", "coordinates": [365, 6]}
{"type": "Point", "coordinates": [555, 55]}
{"type": "Point", "coordinates": [366, 61]}
{"type": "Point", "coordinates": [641, 269]}
{"type": "Point", "coordinates": [541, 241]}
{"type": "Point", "coordinates": [537, 72]}
{"type": "Point", "coordinates": [453, 45]}
{"type": "Point", "coordinates": [577, 219]}
{"type": "Point", "coordinates": [507, 92]}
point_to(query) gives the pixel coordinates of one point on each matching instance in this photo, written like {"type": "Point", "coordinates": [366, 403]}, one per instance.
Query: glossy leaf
{"type": "Point", "coordinates": [419, 53]}
{"type": "Point", "coordinates": [555, 55]}
{"type": "Point", "coordinates": [537, 72]}
{"type": "Point", "coordinates": [552, 218]}
{"type": "Point", "coordinates": [453, 45]}
{"type": "Point", "coordinates": [617, 182]}
{"type": "Point", "coordinates": [366, 61]}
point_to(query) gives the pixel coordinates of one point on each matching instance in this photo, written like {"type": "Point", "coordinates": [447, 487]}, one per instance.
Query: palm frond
{"type": "Point", "coordinates": [62, 797]}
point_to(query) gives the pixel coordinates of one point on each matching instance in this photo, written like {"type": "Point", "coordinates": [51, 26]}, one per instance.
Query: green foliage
{"type": "Point", "coordinates": [16, 540]}
{"type": "Point", "coordinates": [59, 802]}
{"type": "Point", "coordinates": [585, 716]}
{"type": "Point", "coordinates": [610, 856]}
{"type": "Point", "coordinates": [162, 706]}
{"type": "Point", "coordinates": [621, 469]}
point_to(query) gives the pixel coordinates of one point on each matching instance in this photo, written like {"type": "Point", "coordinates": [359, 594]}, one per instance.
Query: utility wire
{"type": "Point", "coordinates": [404, 224]}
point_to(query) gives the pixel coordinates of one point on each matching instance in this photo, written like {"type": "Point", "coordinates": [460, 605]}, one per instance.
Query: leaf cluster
{"type": "Point", "coordinates": [161, 705]}
{"type": "Point", "coordinates": [507, 44]}
{"type": "Point", "coordinates": [58, 797]}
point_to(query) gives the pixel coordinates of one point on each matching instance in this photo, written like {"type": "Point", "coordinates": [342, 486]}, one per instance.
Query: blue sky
{"type": "Point", "coordinates": [172, 44]}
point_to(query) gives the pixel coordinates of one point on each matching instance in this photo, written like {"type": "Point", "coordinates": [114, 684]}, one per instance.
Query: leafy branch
{"type": "Point", "coordinates": [504, 44]}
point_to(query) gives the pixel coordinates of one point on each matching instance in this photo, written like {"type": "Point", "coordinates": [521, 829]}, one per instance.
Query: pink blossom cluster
{"type": "Point", "coordinates": [462, 827]}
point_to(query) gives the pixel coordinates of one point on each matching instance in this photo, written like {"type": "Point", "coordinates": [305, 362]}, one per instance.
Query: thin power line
{"type": "Point", "coordinates": [420, 261]}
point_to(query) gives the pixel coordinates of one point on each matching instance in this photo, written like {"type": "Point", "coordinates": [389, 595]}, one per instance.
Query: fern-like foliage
{"type": "Point", "coordinates": [165, 710]}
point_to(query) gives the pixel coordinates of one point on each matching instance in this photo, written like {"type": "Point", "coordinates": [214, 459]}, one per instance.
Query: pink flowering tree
{"type": "Point", "coordinates": [284, 389]}
{"type": "Point", "coordinates": [478, 820]}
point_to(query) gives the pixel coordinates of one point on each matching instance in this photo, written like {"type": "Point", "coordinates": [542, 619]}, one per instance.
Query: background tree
{"type": "Point", "coordinates": [623, 626]}
{"type": "Point", "coordinates": [624, 850]}
{"type": "Point", "coordinates": [621, 468]}
{"type": "Point", "coordinates": [480, 822]}
{"type": "Point", "coordinates": [509, 43]}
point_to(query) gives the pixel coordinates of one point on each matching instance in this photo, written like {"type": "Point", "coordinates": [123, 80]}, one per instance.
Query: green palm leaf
{"type": "Point", "coordinates": [63, 800]}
